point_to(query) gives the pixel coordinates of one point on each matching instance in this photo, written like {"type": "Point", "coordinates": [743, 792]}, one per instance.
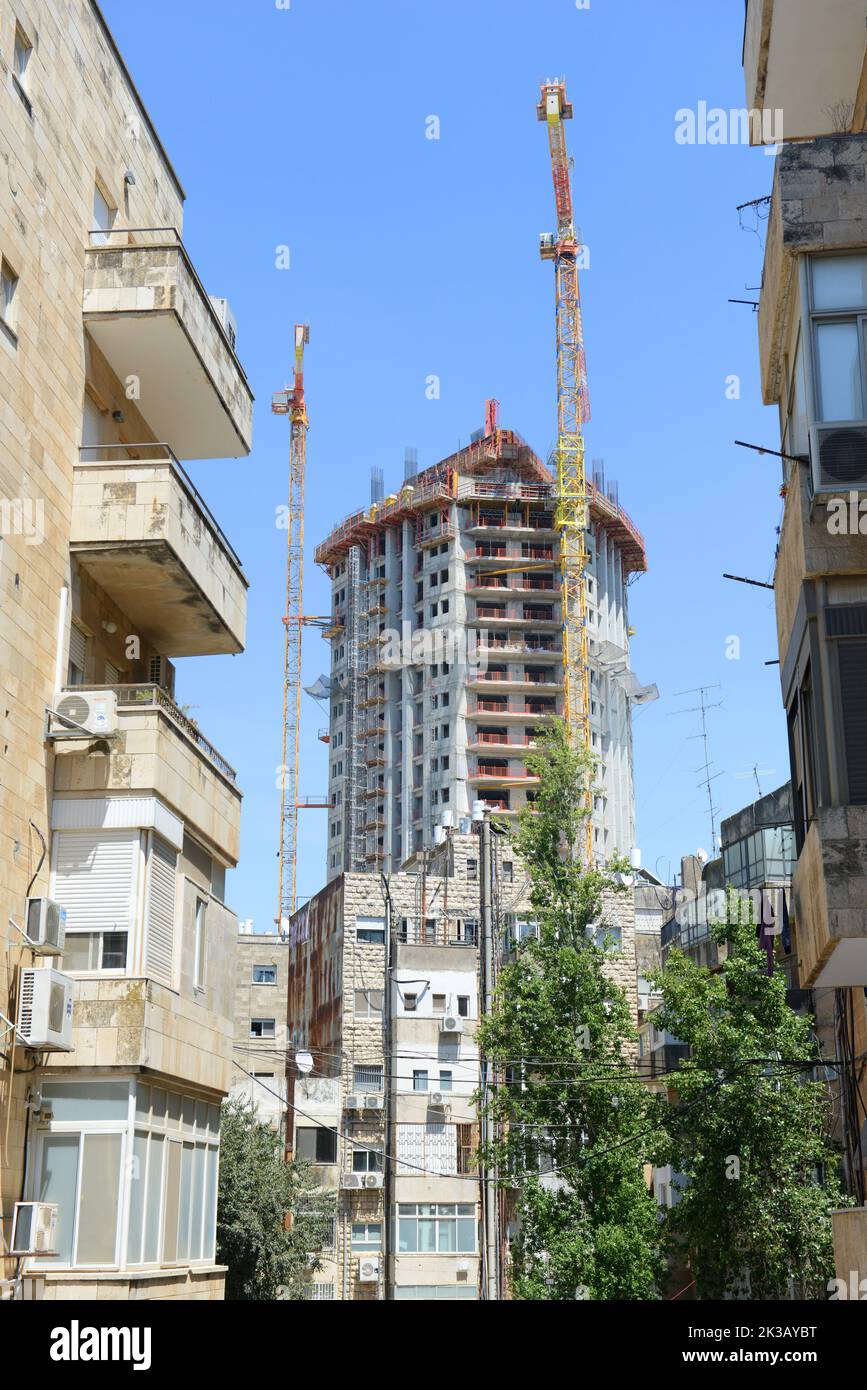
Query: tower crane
{"type": "Point", "coordinates": [292, 403]}
{"type": "Point", "coordinates": [573, 411]}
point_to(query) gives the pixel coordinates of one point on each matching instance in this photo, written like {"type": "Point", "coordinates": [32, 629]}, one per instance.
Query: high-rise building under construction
{"type": "Point", "coordinates": [447, 652]}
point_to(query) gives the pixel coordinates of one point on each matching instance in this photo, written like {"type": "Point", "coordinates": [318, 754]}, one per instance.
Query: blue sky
{"type": "Point", "coordinates": [306, 127]}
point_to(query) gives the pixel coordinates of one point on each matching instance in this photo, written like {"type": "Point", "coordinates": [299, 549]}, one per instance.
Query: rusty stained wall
{"type": "Point", "coordinates": [315, 996]}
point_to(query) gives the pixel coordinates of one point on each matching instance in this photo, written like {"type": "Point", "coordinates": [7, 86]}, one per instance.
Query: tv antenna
{"type": "Point", "coordinates": [703, 708]}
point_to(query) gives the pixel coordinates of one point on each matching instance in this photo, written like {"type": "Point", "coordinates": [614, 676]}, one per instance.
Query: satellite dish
{"type": "Point", "coordinates": [304, 1063]}
{"type": "Point", "coordinates": [702, 855]}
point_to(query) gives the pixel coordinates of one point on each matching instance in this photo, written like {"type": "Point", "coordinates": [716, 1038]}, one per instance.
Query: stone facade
{"type": "Point", "coordinates": [71, 127]}
{"type": "Point", "coordinates": [258, 958]}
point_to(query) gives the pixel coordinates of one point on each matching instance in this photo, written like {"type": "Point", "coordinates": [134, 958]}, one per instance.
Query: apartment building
{"type": "Point", "coordinates": [387, 983]}
{"type": "Point", "coordinates": [810, 62]}
{"type": "Point", "coordinates": [117, 365]}
{"type": "Point", "coordinates": [446, 645]}
{"type": "Point", "coordinates": [261, 1000]}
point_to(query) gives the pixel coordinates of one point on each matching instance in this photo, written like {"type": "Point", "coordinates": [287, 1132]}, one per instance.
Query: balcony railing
{"type": "Point", "coordinates": [151, 696]}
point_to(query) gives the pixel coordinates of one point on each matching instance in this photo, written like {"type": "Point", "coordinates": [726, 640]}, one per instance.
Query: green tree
{"type": "Point", "coordinates": [748, 1129]}
{"type": "Point", "coordinates": [258, 1190]}
{"type": "Point", "coordinates": [568, 1097]}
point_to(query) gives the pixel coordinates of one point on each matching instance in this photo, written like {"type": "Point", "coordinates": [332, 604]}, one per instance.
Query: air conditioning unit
{"type": "Point", "coordinates": [33, 1228]}
{"type": "Point", "coordinates": [352, 1181]}
{"type": "Point", "coordinates": [438, 1099]}
{"type": "Point", "coordinates": [45, 1010]}
{"type": "Point", "coordinates": [451, 1023]}
{"type": "Point", "coordinates": [45, 925]}
{"type": "Point", "coordinates": [354, 1102]}
{"type": "Point", "coordinates": [374, 1101]}
{"type": "Point", "coordinates": [223, 310]}
{"type": "Point", "coordinates": [839, 457]}
{"type": "Point", "coordinates": [372, 1179]}
{"type": "Point", "coordinates": [368, 1269]}
{"type": "Point", "coordinates": [92, 710]}
{"type": "Point", "coordinates": [161, 672]}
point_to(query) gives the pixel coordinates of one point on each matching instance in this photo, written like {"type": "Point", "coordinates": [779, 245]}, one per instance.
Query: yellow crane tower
{"type": "Point", "coordinates": [573, 411]}
{"type": "Point", "coordinates": [291, 403]}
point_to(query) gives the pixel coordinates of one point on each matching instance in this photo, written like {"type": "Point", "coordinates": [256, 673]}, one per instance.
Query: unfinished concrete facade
{"type": "Point", "coordinates": [116, 365]}
{"type": "Point", "coordinates": [447, 653]}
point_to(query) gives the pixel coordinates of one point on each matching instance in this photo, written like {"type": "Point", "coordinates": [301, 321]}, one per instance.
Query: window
{"type": "Point", "coordinates": [262, 1028]}
{"type": "Point", "coordinates": [264, 974]}
{"type": "Point", "coordinates": [472, 870]}
{"type": "Point", "coordinates": [852, 664]}
{"type": "Point", "coordinates": [103, 218]}
{"type": "Point", "coordinates": [436, 1227]}
{"type": "Point", "coordinates": [8, 291]}
{"type": "Point", "coordinates": [371, 930]}
{"type": "Point", "coordinates": [431, 1146]}
{"type": "Point", "coordinates": [410, 1003]}
{"type": "Point", "coordinates": [77, 667]}
{"type": "Point", "coordinates": [431, 1293]}
{"type": "Point", "coordinates": [446, 1079]}
{"type": "Point", "coordinates": [605, 937]}
{"type": "Point", "coordinates": [21, 56]}
{"type": "Point", "coordinates": [463, 1006]}
{"type": "Point", "coordinates": [439, 1003]}
{"type": "Point", "coordinates": [508, 871]}
{"type": "Point", "coordinates": [803, 758]}
{"type": "Point", "coordinates": [199, 959]}
{"type": "Point", "coordinates": [368, 1077]}
{"type": "Point", "coordinates": [369, 1003]}
{"type": "Point", "coordinates": [95, 877]}
{"type": "Point", "coordinates": [316, 1144]}
{"type": "Point", "coordinates": [319, 1293]}
{"type": "Point", "coordinates": [839, 320]}
{"type": "Point", "coordinates": [97, 1154]}
{"type": "Point", "coordinates": [366, 1235]}
{"type": "Point", "coordinates": [366, 1161]}
{"type": "Point", "coordinates": [419, 1080]}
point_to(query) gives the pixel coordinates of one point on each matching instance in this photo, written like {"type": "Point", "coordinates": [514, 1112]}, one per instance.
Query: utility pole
{"type": "Point", "coordinates": [489, 1173]}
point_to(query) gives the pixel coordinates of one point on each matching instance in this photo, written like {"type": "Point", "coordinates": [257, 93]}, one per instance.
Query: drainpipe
{"type": "Point", "coordinates": [60, 641]}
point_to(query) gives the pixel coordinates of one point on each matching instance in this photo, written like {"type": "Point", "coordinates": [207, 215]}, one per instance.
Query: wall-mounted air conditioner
{"type": "Point", "coordinates": [372, 1180]}
{"type": "Point", "coordinates": [438, 1099]}
{"type": "Point", "coordinates": [352, 1181]}
{"type": "Point", "coordinates": [368, 1269]}
{"type": "Point", "coordinates": [45, 1010]}
{"type": "Point", "coordinates": [451, 1023]}
{"type": "Point", "coordinates": [374, 1101]}
{"type": "Point", "coordinates": [839, 457]}
{"type": "Point", "coordinates": [161, 672]}
{"type": "Point", "coordinates": [91, 711]}
{"type": "Point", "coordinates": [354, 1102]}
{"type": "Point", "coordinates": [45, 925]}
{"type": "Point", "coordinates": [33, 1228]}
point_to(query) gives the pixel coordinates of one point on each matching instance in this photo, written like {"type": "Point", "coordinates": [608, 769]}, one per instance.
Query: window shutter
{"type": "Point", "coordinates": [160, 940]}
{"type": "Point", "coordinates": [78, 648]}
{"type": "Point", "coordinates": [95, 878]}
{"type": "Point", "coordinates": [853, 683]}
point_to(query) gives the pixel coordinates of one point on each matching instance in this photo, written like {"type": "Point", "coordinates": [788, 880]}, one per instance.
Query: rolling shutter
{"type": "Point", "coordinates": [853, 684]}
{"type": "Point", "coordinates": [160, 939]}
{"type": "Point", "coordinates": [95, 878]}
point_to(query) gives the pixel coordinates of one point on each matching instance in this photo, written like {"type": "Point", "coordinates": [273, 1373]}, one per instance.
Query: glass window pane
{"type": "Point", "coordinates": [186, 1202]}
{"type": "Point", "coordinates": [96, 1238]}
{"type": "Point", "coordinates": [57, 1183]}
{"type": "Point", "coordinates": [87, 1100]}
{"type": "Point", "coordinates": [427, 1235]}
{"type": "Point", "coordinates": [142, 1102]}
{"type": "Point", "coordinates": [154, 1203]}
{"type": "Point", "coordinates": [159, 1104]}
{"type": "Point", "coordinates": [137, 1178]}
{"type": "Point", "coordinates": [82, 950]}
{"type": "Point", "coordinates": [174, 1109]}
{"type": "Point", "coordinates": [466, 1234]}
{"type": "Point", "coordinates": [839, 364]}
{"type": "Point", "coordinates": [114, 950]}
{"type": "Point", "coordinates": [407, 1239]}
{"type": "Point", "coordinates": [210, 1240]}
{"type": "Point", "coordinates": [839, 282]}
{"type": "Point", "coordinates": [198, 1202]}
{"type": "Point", "coordinates": [172, 1203]}
{"type": "Point", "coordinates": [448, 1235]}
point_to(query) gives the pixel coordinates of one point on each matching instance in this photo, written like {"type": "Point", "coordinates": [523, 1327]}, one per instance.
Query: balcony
{"type": "Point", "coordinates": [143, 533]}
{"type": "Point", "coordinates": [804, 58]}
{"type": "Point", "coordinates": [150, 317]}
{"type": "Point", "coordinates": [156, 748]}
{"type": "Point", "coordinates": [829, 892]}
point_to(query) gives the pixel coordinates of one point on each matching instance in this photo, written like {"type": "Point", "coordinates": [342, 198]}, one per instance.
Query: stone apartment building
{"type": "Point", "coordinates": [386, 989]}
{"type": "Point", "coordinates": [810, 62]}
{"type": "Point", "coordinates": [261, 1002]}
{"type": "Point", "coordinates": [116, 366]}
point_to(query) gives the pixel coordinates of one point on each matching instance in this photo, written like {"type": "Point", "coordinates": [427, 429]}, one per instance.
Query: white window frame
{"type": "Point", "coordinates": [9, 282]}
{"type": "Point", "coordinates": [371, 1242]}
{"type": "Point", "coordinates": [264, 1037]}
{"type": "Point", "coordinates": [200, 945]}
{"type": "Point", "coordinates": [263, 983]}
